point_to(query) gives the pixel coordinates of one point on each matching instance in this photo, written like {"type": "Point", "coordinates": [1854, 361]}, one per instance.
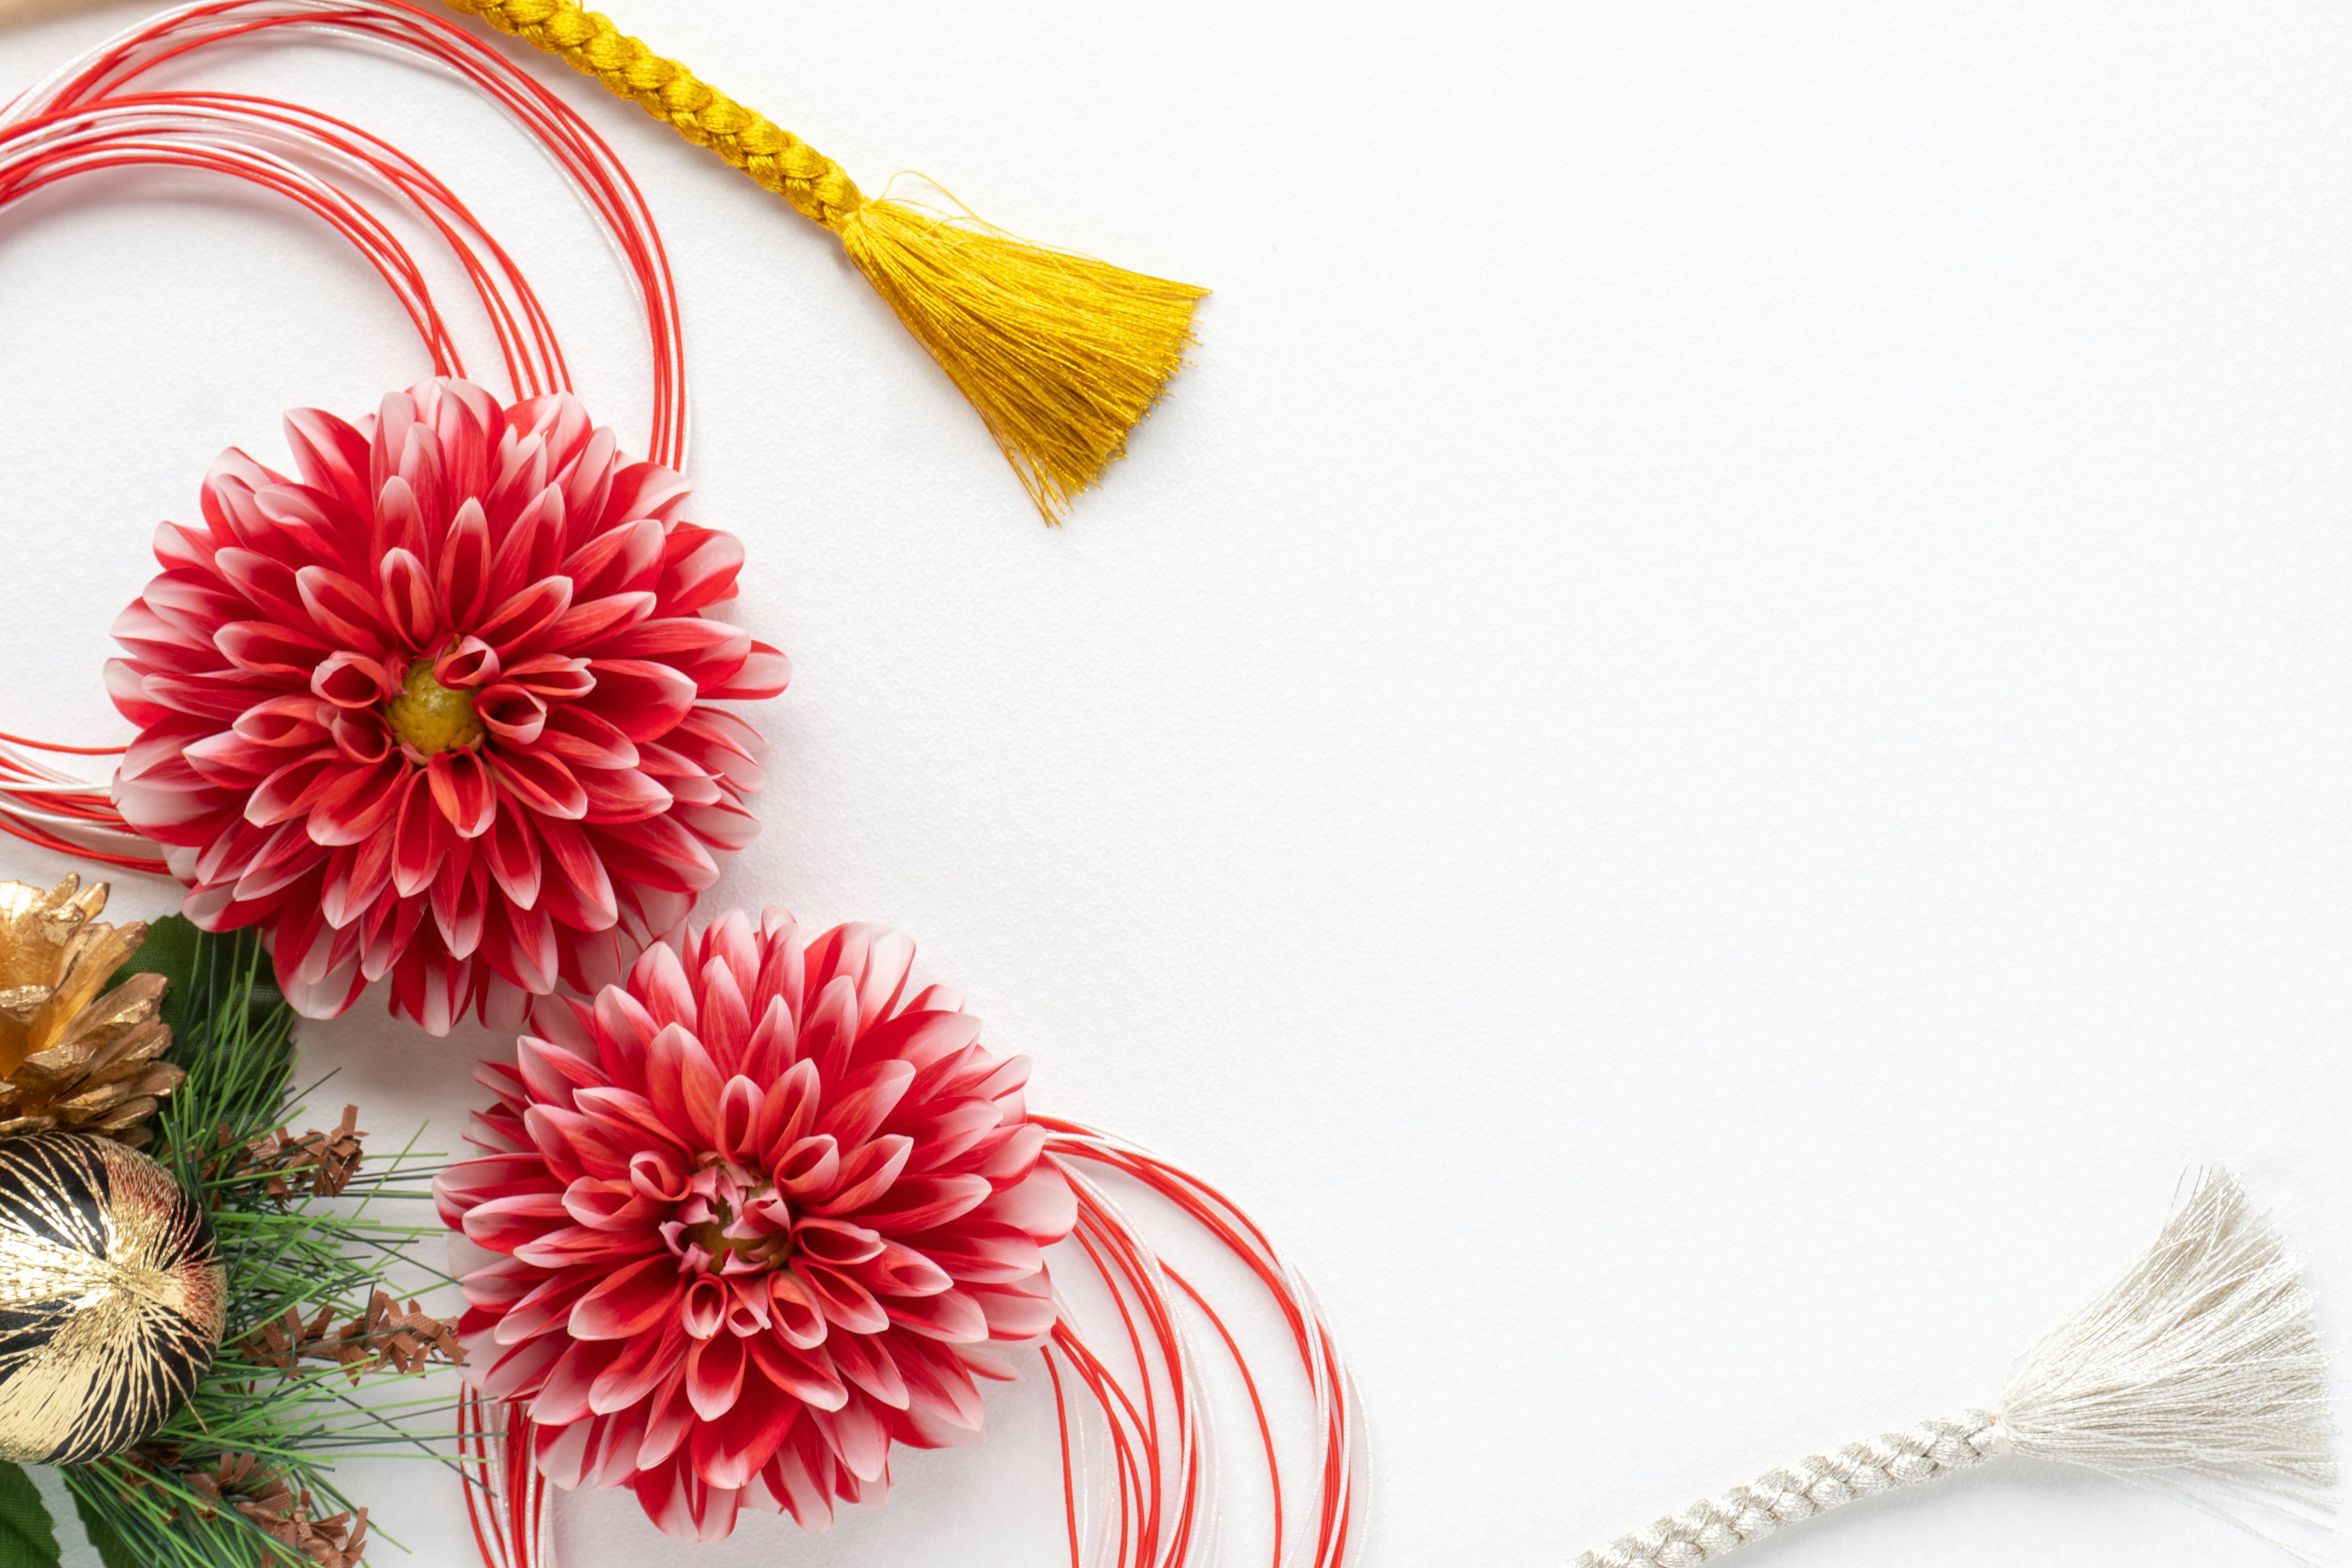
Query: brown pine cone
{"type": "Point", "coordinates": [71, 1057]}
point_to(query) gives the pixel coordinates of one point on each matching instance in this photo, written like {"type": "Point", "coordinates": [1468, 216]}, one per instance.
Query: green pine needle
{"type": "Point", "coordinates": [233, 1032]}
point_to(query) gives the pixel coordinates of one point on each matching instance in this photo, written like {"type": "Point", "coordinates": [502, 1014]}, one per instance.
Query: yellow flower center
{"type": "Point", "coordinates": [429, 717]}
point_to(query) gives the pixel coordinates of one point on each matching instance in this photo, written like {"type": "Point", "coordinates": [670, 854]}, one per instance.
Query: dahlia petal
{"type": "Point", "coordinates": [950, 1315]}
{"type": "Point", "coordinates": [565, 1455]}
{"type": "Point", "coordinates": [668, 1419]}
{"type": "Point", "coordinates": [863, 1363]}
{"type": "Point", "coordinates": [1013, 1159]}
{"type": "Point", "coordinates": [582, 895]}
{"type": "Point", "coordinates": [329, 454]}
{"type": "Point", "coordinates": [344, 609]}
{"type": "Point", "coordinates": [640, 1367]}
{"type": "Point", "coordinates": [359, 803]}
{"type": "Point", "coordinates": [511, 713]}
{"type": "Point", "coordinates": [618, 560]}
{"type": "Point", "coordinates": [791, 1478]}
{"type": "Point", "coordinates": [405, 589]}
{"type": "Point", "coordinates": [866, 1175]}
{"type": "Point", "coordinates": [270, 587]}
{"type": "Point", "coordinates": [939, 1386]}
{"type": "Point", "coordinates": [361, 737]}
{"type": "Point", "coordinates": [950, 1130]}
{"type": "Point", "coordinates": [550, 1072]}
{"type": "Point", "coordinates": [412, 505]}
{"type": "Point", "coordinates": [719, 824]}
{"type": "Point", "coordinates": [765, 672]}
{"type": "Point", "coordinates": [1012, 1313]}
{"type": "Point", "coordinates": [738, 1112]}
{"type": "Point", "coordinates": [229, 760]}
{"type": "Point", "coordinates": [836, 1243]}
{"type": "Point", "coordinates": [545, 1307]}
{"type": "Point", "coordinates": [520, 945]}
{"type": "Point", "coordinates": [643, 490]}
{"type": "Point", "coordinates": [844, 1302]}
{"type": "Point", "coordinates": [421, 838]}
{"type": "Point", "coordinates": [658, 1174]}
{"type": "Point", "coordinates": [806, 1374]}
{"type": "Point", "coordinates": [809, 1165]}
{"type": "Point", "coordinates": [714, 1375]}
{"type": "Point", "coordinates": [471, 663]}
{"type": "Point", "coordinates": [794, 1312]}
{"type": "Point", "coordinates": [555, 676]}
{"type": "Point", "coordinates": [620, 1108]}
{"type": "Point", "coordinates": [504, 1223]}
{"type": "Point", "coordinates": [858, 1438]}
{"type": "Point", "coordinates": [518, 622]}
{"type": "Point", "coordinates": [510, 849]}
{"type": "Point", "coordinates": [626, 1303]}
{"type": "Point", "coordinates": [864, 1100]}
{"type": "Point", "coordinates": [684, 1084]}
{"type": "Point", "coordinates": [263, 648]}
{"type": "Point", "coordinates": [770, 1048]}
{"type": "Point", "coordinates": [540, 784]}
{"type": "Point", "coordinates": [699, 568]}
{"type": "Point", "coordinates": [1042, 1205]}
{"type": "Point", "coordinates": [595, 621]}
{"type": "Point", "coordinates": [519, 1373]}
{"type": "Point", "coordinates": [581, 1139]}
{"type": "Point", "coordinates": [709, 653]}
{"type": "Point", "coordinates": [353, 680]}
{"type": "Point", "coordinates": [920, 1202]}
{"type": "Point", "coordinates": [644, 700]}
{"type": "Point", "coordinates": [616, 795]}
{"type": "Point", "coordinates": [980, 1251]}
{"type": "Point", "coordinates": [787, 1113]}
{"type": "Point", "coordinates": [723, 1019]}
{"type": "Point", "coordinates": [578, 736]}
{"type": "Point", "coordinates": [728, 1452]}
{"type": "Point", "coordinates": [563, 1395]}
{"type": "Point", "coordinates": [702, 1309]}
{"type": "Point", "coordinates": [461, 904]}
{"type": "Point", "coordinates": [189, 603]}
{"type": "Point", "coordinates": [463, 574]}
{"type": "Point", "coordinates": [659, 981]}
{"type": "Point", "coordinates": [462, 789]}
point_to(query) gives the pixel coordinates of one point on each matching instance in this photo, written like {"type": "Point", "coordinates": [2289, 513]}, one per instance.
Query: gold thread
{"type": "Point", "coordinates": [1061, 355]}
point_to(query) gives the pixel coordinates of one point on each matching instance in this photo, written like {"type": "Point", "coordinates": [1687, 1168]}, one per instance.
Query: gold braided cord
{"type": "Point", "coordinates": [592, 45]}
{"type": "Point", "coordinates": [1060, 354]}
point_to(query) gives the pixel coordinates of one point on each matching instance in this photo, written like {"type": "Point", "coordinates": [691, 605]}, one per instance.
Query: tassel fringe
{"type": "Point", "coordinates": [2201, 1363]}
{"type": "Point", "coordinates": [1061, 355]}
{"type": "Point", "coordinates": [2198, 1371]}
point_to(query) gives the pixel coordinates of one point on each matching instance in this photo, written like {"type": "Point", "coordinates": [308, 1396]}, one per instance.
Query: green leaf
{"type": "Point", "coordinates": [28, 1539]}
{"type": "Point", "coordinates": [210, 975]}
{"type": "Point", "coordinates": [110, 1547]}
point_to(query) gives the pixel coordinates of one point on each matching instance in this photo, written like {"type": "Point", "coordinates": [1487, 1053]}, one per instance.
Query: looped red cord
{"type": "Point", "coordinates": [95, 117]}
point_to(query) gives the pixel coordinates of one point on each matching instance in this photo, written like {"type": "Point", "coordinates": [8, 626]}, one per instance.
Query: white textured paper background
{"type": "Point", "coordinates": [1710, 744]}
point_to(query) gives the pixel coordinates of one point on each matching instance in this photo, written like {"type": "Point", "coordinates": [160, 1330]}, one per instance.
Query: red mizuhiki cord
{"type": "Point", "coordinates": [88, 118]}
{"type": "Point", "coordinates": [1146, 1391]}
{"type": "Point", "coordinates": [506, 1500]}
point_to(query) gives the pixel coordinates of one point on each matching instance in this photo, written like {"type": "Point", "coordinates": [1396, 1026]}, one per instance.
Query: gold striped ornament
{"type": "Point", "coordinates": [112, 1297]}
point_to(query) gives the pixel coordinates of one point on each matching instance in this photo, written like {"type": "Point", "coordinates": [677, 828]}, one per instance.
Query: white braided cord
{"type": "Point", "coordinates": [1713, 1526]}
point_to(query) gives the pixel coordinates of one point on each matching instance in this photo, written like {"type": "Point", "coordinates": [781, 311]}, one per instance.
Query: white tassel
{"type": "Point", "coordinates": [2199, 1371]}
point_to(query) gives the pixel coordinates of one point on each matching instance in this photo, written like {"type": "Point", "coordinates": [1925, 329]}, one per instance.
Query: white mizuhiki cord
{"type": "Point", "coordinates": [2200, 1371]}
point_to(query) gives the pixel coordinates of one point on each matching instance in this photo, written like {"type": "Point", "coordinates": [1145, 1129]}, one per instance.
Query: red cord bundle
{"type": "Point", "coordinates": [879, 1280]}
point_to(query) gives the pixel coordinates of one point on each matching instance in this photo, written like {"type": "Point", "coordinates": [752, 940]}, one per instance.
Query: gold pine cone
{"type": "Point", "coordinates": [70, 1059]}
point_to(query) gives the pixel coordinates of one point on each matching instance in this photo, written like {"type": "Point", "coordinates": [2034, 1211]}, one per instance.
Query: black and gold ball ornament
{"type": "Point", "coordinates": [111, 1296]}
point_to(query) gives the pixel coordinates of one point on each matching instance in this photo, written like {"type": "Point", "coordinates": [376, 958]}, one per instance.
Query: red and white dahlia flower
{"type": "Point", "coordinates": [748, 1220]}
{"type": "Point", "coordinates": [438, 708]}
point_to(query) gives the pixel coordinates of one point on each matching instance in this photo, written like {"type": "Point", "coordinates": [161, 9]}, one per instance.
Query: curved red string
{"type": "Point", "coordinates": [98, 116]}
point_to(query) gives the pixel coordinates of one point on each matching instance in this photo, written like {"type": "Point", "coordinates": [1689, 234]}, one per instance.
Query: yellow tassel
{"type": "Point", "coordinates": [1061, 353]}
